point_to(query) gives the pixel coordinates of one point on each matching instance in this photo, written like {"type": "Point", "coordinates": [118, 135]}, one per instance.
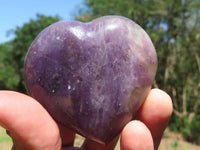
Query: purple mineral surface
{"type": "Point", "coordinates": [91, 77]}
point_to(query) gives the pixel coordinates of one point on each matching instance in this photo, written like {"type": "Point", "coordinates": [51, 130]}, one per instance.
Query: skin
{"type": "Point", "coordinates": [32, 128]}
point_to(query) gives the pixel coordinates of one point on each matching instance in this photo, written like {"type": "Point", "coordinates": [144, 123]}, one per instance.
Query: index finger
{"type": "Point", "coordinates": [155, 113]}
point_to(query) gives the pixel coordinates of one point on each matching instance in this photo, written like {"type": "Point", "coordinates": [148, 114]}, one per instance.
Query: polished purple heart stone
{"type": "Point", "coordinates": [91, 77]}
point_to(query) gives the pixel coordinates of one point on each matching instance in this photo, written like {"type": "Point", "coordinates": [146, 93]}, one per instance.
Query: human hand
{"type": "Point", "coordinates": [32, 128]}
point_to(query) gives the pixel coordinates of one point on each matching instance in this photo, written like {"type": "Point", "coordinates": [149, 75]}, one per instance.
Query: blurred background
{"type": "Point", "coordinates": [174, 27]}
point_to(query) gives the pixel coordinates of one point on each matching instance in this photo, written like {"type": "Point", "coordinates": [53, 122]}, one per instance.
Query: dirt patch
{"type": "Point", "coordinates": [175, 141]}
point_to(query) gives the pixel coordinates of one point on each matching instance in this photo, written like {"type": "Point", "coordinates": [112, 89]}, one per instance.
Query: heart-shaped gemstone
{"type": "Point", "coordinates": [91, 77]}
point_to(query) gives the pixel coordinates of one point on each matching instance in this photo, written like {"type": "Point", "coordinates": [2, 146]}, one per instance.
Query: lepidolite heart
{"type": "Point", "coordinates": [91, 77]}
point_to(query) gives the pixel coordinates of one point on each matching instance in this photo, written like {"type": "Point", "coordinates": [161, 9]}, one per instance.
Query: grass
{"type": "Point", "coordinates": [5, 140]}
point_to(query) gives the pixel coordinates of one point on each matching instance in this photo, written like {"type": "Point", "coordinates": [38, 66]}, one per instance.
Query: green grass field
{"type": "Point", "coordinates": [5, 140]}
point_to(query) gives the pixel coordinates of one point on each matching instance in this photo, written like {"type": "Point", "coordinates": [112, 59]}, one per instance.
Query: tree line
{"type": "Point", "coordinates": [174, 27]}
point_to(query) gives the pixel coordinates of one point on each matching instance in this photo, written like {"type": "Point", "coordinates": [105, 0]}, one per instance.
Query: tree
{"type": "Point", "coordinates": [8, 78]}
{"type": "Point", "coordinates": [174, 28]}
{"type": "Point", "coordinates": [13, 52]}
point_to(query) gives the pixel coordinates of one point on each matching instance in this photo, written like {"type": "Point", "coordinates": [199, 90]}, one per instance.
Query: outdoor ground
{"type": "Point", "coordinates": [170, 141]}
{"type": "Point", "coordinates": [5, 140]}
